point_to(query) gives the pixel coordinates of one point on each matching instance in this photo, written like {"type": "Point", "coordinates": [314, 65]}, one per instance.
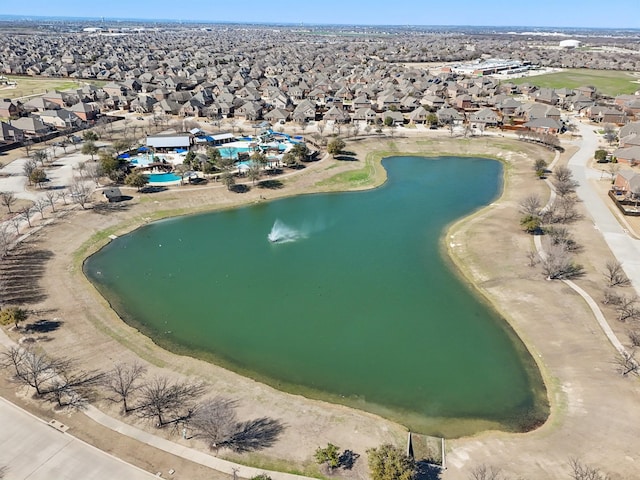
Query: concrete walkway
{"type": "Point", "coordinates": [601, 215]}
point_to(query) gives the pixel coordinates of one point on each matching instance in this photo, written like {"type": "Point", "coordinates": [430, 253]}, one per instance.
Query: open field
{"type": "Point", "coordinates": [606, 81]}
{"type": "Point", "coordinates": [27, 86]}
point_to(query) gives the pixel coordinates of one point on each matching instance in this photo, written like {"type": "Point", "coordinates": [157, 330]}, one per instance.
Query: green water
{"type": "Point", "coordinates": [362, 309]}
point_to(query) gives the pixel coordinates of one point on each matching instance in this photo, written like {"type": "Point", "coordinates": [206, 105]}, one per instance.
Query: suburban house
{"type": "Point", "coordinates": [628, 155]}
{"type": "Point", "coordinates": [627, 181]}
{"type": "Point", "coordinates": [10, 134]}
{"type": "Point", "coordinates": [485, 117]}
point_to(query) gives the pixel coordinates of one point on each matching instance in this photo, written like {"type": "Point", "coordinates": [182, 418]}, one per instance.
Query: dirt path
{"type": "Point", "coordinates": [593, 413]}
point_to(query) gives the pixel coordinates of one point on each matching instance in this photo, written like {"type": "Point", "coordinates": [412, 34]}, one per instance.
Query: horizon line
{"type": "Point", "coordinates": [26, 17]}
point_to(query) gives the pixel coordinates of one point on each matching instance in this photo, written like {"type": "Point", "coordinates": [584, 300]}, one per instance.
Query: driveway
{"type": "Point", "coordinates": [625, 248]}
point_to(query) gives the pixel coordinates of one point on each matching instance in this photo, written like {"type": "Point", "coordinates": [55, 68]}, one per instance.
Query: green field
{"type": "Point", "coordinates": [28, 86]}
{"type": "Point", "coordinates": [608, 82]}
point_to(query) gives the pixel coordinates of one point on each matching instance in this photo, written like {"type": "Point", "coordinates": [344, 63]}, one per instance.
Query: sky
{"type": "Point", "coordinates": [542, 13]}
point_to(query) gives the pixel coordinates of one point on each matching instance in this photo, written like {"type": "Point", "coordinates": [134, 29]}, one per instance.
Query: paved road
{"type": "Point", "coordinates": [624, 247]}
{"type": "Point", "coordinates": [31, 449]}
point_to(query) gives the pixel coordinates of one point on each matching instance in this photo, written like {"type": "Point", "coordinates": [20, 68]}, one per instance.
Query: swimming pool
{"type": "Point", "coordinates": [162, 177]}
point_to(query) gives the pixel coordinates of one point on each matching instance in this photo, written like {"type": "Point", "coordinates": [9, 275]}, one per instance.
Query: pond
{"type": "Point", "coordinates": [346, 297]}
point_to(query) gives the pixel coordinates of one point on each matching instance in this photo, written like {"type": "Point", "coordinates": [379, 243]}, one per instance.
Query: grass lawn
{"type": "Point", "coordinates": [38, 85]}
{"type": "Point", "coordinates": [607, 82]}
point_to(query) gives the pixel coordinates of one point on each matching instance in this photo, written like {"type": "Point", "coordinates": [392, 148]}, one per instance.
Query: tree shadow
{"type": "Point", "coordinates": [427, 471]}
{"type": "Point", "coordinates": [153, 189]}
{"type": "Point", "coordinates": [198, 181]}
{"type": "Point", "coordinates": [43, 326]}
{"type": "Point", "coordinates": [256, 434]}
{"type": "Point", "coordinates": [240, 188]}
{"type": "Point", "coordinates": [271, 184]}
{"type": "Point", "coordinates": [272, 172]}
{"type": "Point", "coordinates": [106, 208]}
{"type": "Point", "coordinates": [21, 271]}
{"type": "Point", "coordinates": [347, 459]}
{"type": "Point", "coordinates": [346, 158]}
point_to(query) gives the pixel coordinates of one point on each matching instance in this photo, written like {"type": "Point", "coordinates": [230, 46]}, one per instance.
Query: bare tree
{"type": "Point", "coordinates": [40, 156]}
{"type": "Point", "coordinates": [63, 195]}
{"type": "Point", "coordinates": [533, 258]}
{"type": "Point", "coordinates": [39, 206]}
{"type": "Point", "coordinates": [50, 196]}
{"type": "Point", "coordinates": [558, 263]}
{"type": "Point", "coordinates": [70, 387]}
{"type": "Point", "coordinates": [26, 214]}
{"type": "Point", "coordinates": [486, 472]}
{"type": "Point", "coordinates": [320, 127]}
{"type": "Point", "coordinates": [33, 368]}
{"type": "Point", "coordinates": [80, 192]}
{"type": "Point", "coordinates": [160, 399]}
{"type": "Point", "coordinates": [566, 208]}
{"type": "Point", "coordinates": [579, 471]}
{"type": "Point", "coordinates": [627, 363]}
{"type": "Point", "coordinates": [29, 166]}
{"type": "Point", "coordinates": [627, 308]}
{"type": "Point", "coordinates": [215, 421]}
{"type": "Point", "coordinates": [123, 381]}
{"type": "Point", "coordinates": [531, 205]}
{"type": "Point", "coordinates": [16, 221]}
{"type": "Point", "coordinates": [615, 274]}
{"type": "Point", "coordinates": [634, 338]}
{"type": "Point", "coordinates": [7, 199]}
{"type": "Point", "coordinates": [562, 236]}
{"type": "Point", "coordinates": [563, 181]}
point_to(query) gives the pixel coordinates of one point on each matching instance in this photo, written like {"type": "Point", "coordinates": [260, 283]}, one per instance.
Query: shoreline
{"type": "Point", "coordinates": [449, 426]}
{"type": "Point", "coordinates": [85, 320]}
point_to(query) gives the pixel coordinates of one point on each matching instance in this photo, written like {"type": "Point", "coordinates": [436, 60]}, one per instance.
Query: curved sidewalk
{"type": "Point", "coordinates": [585, 191]}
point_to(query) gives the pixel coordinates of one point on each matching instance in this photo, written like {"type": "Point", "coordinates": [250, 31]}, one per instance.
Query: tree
{"type": "Point", "coordinates": [37, 177]}
{"type": "Point", "coordinates": [300, 151]}
{"type": "Point", "coordinates": [531, 224]}
{"type": "Point", "coordinates": [90, 148]}
{"type": "Point", "coordinates": [33, 368]}
{"type": "Point", "coordinates": [39, 206]}
{"type": "Point", "coordinates": [540, 165]}
{"type": "Point", "coordinates": [123, 381]}
{"type": "Point", "coordinates": [432, 119]}
{"type": "Point", "coordinates": [25, 213]}
{"type": "Point", "coordinates": [531, 205]}
{"type": "Point", "coordinates": [388, 121]}
{"type": "Point", "coordinates": [563, 181]}
{"type": "Point", "coordinates": [389, 463]}
{"type": "Point", "coordinates": [29, 166]}
{"type": "Point", "coordinates": [122, 145]}
{"type": "Point", "coordinates": [335, 146]}
{"type": "Point", "coordinates": [50, 195]}
{"type": "Point", "coordinates": [161, 398]}
{"type": "Point", "coordinates": [609, 133]}
{"type": "Point", "coordinates": [615, 274]}
{"type": "Point", "coordinates": [254, 172]}
{"type": "Point", "coordinates": [80, 192]}
{"type": "Point", "coordinates": [215, 421]}
{"type": "Point", "coordinates": [557, 263]}
{"type": "Point", "coordinates": [330, 455]}
{"type": "Point", "coordinates": [579, 471]}
{"type": "Point", "coordinates": [13, 315]}
{"type": "Point", "coordinates": [600, 156]}
{"type": "Point", "coordinates": [484, 472]}
{"type": "Point", "coordinates": [214, 155]}
{"type": "Point", "coordinates": [40, 156]}
{"type": "Point", "coordinates": [136, 179]}
{"type": "Point", "coordinates": [7, 199]}
{"type": "Point", "coordinates": [90, 136]}
{"type": "Point", "coordinates": [228, 180]}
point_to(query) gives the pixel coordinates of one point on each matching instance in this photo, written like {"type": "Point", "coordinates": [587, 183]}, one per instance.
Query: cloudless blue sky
{"type": "Point", "coordinates": [558, 13]}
